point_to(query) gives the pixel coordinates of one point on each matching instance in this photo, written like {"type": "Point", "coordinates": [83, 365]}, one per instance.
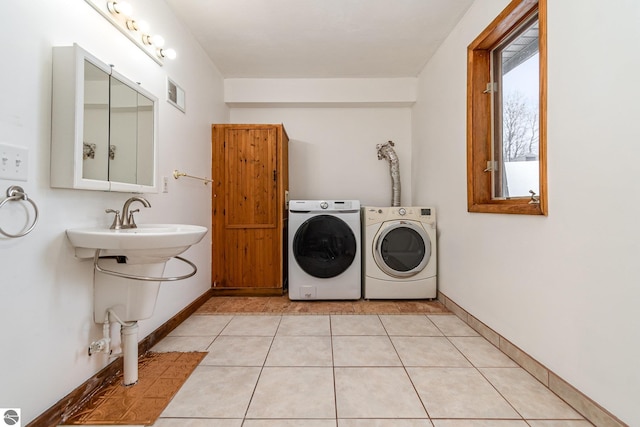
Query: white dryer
{"type": "Point", "coordinates": [325, 260]}
{"type": "Point", "coordinates": [400, 254]}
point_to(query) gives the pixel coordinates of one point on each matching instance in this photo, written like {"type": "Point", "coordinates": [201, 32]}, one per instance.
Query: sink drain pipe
{"type": "Point", "coordinates": [129, 343]}
{"type": "Point", "coordinates": [386, 151]}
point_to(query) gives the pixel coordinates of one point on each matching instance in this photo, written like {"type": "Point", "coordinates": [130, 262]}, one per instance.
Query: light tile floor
{"type": "Point", "coordinates": [353, 371]}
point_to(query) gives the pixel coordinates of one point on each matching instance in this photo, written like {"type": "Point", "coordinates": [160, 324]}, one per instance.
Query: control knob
{"type": "Point", "coordinates": [324, 205]}
{"type": "Point", "coordinates": [402, 211]}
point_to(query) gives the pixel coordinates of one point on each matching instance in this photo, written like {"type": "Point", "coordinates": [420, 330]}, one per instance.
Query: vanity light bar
{"type": "Point", "coordinates": [120, 14]}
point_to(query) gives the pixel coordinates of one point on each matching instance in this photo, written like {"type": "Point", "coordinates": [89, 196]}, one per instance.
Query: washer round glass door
{"type": "Point", "coordinates": [402, 249]}
{"type": "Point", "coordinates": [324, 246]}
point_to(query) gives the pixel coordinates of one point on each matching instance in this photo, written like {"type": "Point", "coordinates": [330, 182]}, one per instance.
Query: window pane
{"type": "Point", "coordinates": [516, 135]}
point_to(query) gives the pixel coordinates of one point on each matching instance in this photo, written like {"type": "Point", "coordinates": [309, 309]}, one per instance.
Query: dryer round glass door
{"type": "Point", "coordinates": [402, 249]}
{"type": "Point", "coordinates": [324, 246]}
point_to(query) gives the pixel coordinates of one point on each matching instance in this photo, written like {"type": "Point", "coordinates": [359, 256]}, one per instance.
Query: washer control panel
{"type": "Point", "coordinates": [324, 205]}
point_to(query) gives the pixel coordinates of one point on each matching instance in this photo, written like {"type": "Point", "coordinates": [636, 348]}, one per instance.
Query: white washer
{"type": "Point", "coordinates": [324, 250]}
{"type": "Point", "coordinates": [399, 256]}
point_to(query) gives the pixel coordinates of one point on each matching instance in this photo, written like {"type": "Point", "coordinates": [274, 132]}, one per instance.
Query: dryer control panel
{"type": "Point", "coordinates": [372, 214]}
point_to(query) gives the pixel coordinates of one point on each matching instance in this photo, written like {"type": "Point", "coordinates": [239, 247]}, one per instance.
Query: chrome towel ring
{"type": "Point", "coordinates": [15, 193]}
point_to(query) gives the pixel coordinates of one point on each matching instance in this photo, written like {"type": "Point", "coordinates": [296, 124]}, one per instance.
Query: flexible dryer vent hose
{"type": "Point", "coordinates": [386, 151]}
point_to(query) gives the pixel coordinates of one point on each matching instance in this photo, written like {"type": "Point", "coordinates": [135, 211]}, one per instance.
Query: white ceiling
{"type": "Point", "coordinates": [320, 38]}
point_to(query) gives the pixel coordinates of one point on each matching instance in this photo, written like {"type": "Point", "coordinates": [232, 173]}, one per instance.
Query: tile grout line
{"type": "Point", "coordinates": [480, 372]}
{"type": "Point", "coordinates": [255, 387]}
{"type": "Point", "coordinates": [583, 405]}
{"type": "Point", "coordinates": [404, 367]}
{"type": "Point", "coordinates": [333, 368]}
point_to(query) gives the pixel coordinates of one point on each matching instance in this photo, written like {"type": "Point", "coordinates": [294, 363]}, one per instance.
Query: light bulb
{"type": "Point", "coordinates": [120, 8]}
{"type": "Point", "coordinates": [156, 40]}
{"type": "Point", "coordinates": [167, 53]}
{"type": "Point", "coordinates": [125, 8]}
{"type": "Point", "coordinates": [143, 26]}
{"type": "Point", "coordinates": [135, 25]}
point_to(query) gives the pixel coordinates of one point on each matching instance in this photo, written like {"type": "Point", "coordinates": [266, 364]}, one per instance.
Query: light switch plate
{"type": "Point", "coordinates": [14, 162]}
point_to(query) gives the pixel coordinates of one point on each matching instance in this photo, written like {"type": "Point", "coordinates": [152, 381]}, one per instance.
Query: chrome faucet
{"type": "Point", "coordinates": [127, 217]}
{"type": "Point", "coordinates": [126, 220]}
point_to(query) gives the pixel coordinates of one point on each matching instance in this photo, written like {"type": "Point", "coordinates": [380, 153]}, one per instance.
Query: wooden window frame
{"type": "Point", "coordinates": [479, 116]}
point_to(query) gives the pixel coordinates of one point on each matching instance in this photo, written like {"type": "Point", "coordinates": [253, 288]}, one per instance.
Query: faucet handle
{"type": "Point", "coordinates": [130, 220]}
{"type": "Point", "coordinates": [117, 221]}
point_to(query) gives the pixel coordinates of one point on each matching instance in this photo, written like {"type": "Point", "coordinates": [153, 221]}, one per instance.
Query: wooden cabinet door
{"type": "Point", "coordinates": [250, 175]}
{"type": "Point", "coordinates": [247, 239]}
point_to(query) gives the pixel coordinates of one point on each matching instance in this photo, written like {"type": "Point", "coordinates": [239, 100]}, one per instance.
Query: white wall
{"type": "Point", "coordinates": [332, 151]}
{"type": "Point", "coordinates": [46, 319]}
{"type": "Point", "coordinates": [564, 288]}
{"type": "Point", "coordinates": [327, 92]}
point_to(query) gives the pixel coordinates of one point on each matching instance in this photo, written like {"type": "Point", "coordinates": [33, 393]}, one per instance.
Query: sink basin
{"type": "Point", "coordinates": [147, 243]}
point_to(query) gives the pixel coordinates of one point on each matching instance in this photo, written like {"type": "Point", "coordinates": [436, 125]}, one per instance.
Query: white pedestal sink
{"type": "Point", "coordinates": [127, 283]}
{"type": "Point", "coordinates": [151, 241]}
{"type": "Point", "coordinates": [127, 280]}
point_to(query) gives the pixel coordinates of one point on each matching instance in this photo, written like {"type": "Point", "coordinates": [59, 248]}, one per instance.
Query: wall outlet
{"type": "Point", "coordinates": [14, 162]}
{"type": "Point", "coordinates": [165, 184]}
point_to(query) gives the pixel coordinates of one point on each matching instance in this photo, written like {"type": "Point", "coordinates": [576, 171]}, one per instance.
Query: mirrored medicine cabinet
{"type": "Point", "coordinates": [104, 127]}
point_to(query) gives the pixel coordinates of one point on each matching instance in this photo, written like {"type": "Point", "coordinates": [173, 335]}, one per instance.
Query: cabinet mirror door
{"type": "Point", "coordinates": [146, 152]}
{"type": "Point", "coordinates": [95, 145]}
{"type": "Point", "coordinates": [123, 151]}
